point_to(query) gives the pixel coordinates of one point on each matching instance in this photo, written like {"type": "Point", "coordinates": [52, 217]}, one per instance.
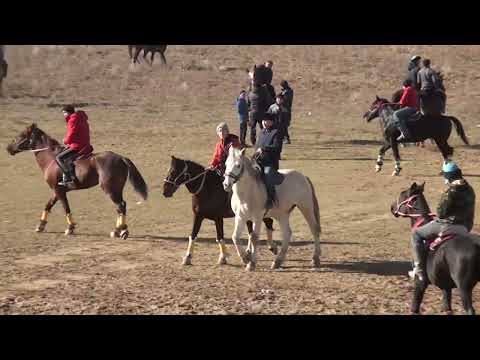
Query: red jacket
{"type": "Point", "coordinates": [221, 150]}
{"type": "Point", "coordinates": [410, 98]}
{"type": "Point", "coordinates": [78, 132]}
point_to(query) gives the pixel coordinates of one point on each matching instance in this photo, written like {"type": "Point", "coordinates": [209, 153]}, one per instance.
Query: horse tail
{"type": "Point", "coordinates": [316, 208]}
{"type": "Point", "coordinates": [460, 131]}
{"type": "Point", "coordinates": [136, 178]}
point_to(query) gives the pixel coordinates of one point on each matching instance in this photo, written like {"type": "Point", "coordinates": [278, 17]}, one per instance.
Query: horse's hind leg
{"type": "Point", "coordinates": [43, 220]}
{"type": "Point", "coordinates": [419, 292]}
{"type": "Point", "coordinates": [197, 223]}
{"type": "Point", "coordinates": [447, 301]}
{"type": "Point", "coordinates": [466, 296]}
{"type": "Point", "coordinates": [271, 245]}
{"type": "Point", "coordinates": [396, 155]}
{"type": "Point", "coordinates": [286, 236]}
{"type": "Point", "coordinates": [121, 228]}
{"type": "Point", "coordinates": [62, 196]}
{"type": "Point", "coordinates": [309, 215]}
{"type": "Point", "coordinates": [445, 149]}
{"type": "Point", "coordinates": [222, 259]}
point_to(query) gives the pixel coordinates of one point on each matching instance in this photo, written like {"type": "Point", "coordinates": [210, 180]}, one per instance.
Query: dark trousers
{"type": "Point", "coordinates": [243, 131]}
{"type": "Point", "coordinates": [253, 130]}
{"type": "Point", "coordinates": [65, 161]}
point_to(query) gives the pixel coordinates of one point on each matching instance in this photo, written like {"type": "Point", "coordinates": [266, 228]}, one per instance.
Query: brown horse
{"type": "Point", "coordinates": [146, 49]}
{"type": "Point", "coordinates": [108, 169]}
{"type": "Point", "coordinates": [209, 201]}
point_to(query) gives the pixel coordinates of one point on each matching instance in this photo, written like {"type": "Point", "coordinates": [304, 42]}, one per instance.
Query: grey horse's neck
{"type": "Point", "coordinates": [386, 114]}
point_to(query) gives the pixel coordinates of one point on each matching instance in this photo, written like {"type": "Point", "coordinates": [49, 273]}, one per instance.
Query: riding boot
{"type": "Point", "coordinates": [419, 256]}
{"type": "Point", "coordinates": [270, 196]}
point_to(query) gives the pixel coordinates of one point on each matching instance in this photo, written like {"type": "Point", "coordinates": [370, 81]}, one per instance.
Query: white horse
{"type": "Point", "coordinates": [248, 203]}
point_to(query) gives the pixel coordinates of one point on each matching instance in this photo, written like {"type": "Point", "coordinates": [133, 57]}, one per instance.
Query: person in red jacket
{"type": "Point", "coordinates": [77, 141]}
{"type": "Point", "coordinates": [222, 147]}
{"type": "Point", "coordinates": [409, 105]}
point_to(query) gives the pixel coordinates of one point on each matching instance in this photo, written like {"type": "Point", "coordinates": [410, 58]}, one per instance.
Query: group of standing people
{"type": "Point", "coordinates": [261, 101]}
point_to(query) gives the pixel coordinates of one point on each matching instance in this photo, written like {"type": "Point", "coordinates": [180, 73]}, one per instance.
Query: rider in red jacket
{"type": "Point", "coordinates": [221, 148]}
{"type": "Point", "coordinates": [409, 105]}
{"type": "Point", "coordinates": [77, 141]}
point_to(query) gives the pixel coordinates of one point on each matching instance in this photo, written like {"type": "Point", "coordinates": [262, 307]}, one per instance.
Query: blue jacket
{"type": "Point", "coordinates": [242, 108]}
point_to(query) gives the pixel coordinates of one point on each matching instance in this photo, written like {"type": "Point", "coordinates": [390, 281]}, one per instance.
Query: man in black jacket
{"type": "Point", "coordinates": [269, 148]}
{"type": "Point", "coordinates": [413, 68]}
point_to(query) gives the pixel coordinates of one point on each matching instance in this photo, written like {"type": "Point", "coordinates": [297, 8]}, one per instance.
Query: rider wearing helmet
{"type": "Point", "coordinates": [221, 148]}
{"type": "Point", "coordinates": [409, 106]}
{"type": "Point", "coordinates": [455, 214]}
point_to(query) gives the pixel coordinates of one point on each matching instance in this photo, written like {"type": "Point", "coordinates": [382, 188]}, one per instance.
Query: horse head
{"type": "Point", "coordinates": [234, 167]}
{"type": "Point", "coordinates": [408, 202]}
{"type": "Point", "coordinates": [26, 140]}
{"type": "Point", "coordinates": [375, 108]}
{"type": "Point", "coordinates": [177, 175]}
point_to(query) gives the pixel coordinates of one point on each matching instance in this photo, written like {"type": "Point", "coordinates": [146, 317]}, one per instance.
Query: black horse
{"type": "Point", "coordinates": [455, 263]}
{"type": "Point", "coordinates": [209, 201]}
{"type": "Point", "coordinates": [433, 127]}
{"type": "Point", "coordinates": [147, 49]}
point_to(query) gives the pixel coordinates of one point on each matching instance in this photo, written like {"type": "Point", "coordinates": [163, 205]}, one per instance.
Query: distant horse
{"type": "Point", "coordinates": [248, 203]}
{"type": "Point", "coordinates": [437, 128]}
{"type": "Point", "coordinates": [146, 49]}
{"type": "Point", "coordinates": [108, 169]}
{"type": "Point", "coordinates": [455, 263]}
{"type": "Point", "coordinates": [209, 201]}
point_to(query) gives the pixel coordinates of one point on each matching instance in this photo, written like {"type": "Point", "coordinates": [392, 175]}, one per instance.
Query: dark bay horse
{"type": "Point", "coordinates": [438, 128]}
{"type": "Point", "coordinates": [455, 263]}
{"type": "Point", "coordinates": [209, 201]}
{"type": "Point", "coordinates": [108, 169]}
{"type": "Point", "coordinates": [147, 49]}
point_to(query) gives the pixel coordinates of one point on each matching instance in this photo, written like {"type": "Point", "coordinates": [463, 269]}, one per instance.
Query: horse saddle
{"type": "Point", "coordinates": [415, 117]}
{"type": "Point", "coordinates": [442, 237]}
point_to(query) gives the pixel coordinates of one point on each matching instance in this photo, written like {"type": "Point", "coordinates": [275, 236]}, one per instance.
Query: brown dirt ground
{"type": "Point", "coordinates": [151, 114]}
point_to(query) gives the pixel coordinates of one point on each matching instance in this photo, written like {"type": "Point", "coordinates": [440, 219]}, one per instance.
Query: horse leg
{"type": "Point", "coordinates": [309, 215]}
{"type": "Point", "coordinates": [43, 219]}
{"type": "Point", "coordinates": [445, 149]}
{"type": "Point", "coordinates": [271, 245]}
{"type": "Point", "coordinates": [286, 236]}
{"type": "Point", "coordinates": [151, 58]}
{"type": "Point", "coordinates": [197, 223]}
{"type": "Point", "coordinates": [419, 292]}
{"type": "Point", "coordinates": [121, 228]}
{"type": "Point", "coordinates": [257, 225]}
{"type": "Point", "coordinates": [162, 57]}
{"type": "Point", "coordinates": [62, 196]}
{"type": "Point", "coordinates": [466, 296]}
{"type": "Point", "coordinates": [222, 259]}
{"type": "Point", "coordinates": [237, 233]}
{"type": "Point", "coordinates": [447, 301]}
{"type": "Point", "coordinates": [137, 53]}
{"type": "Point", "coordinates": [381, 154]}
{"type": "Point", "coordinates": [396, 155]}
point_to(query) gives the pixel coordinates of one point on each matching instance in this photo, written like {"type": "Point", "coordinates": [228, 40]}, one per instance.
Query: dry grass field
{"type": "Point", "coordinates": [152, 113]}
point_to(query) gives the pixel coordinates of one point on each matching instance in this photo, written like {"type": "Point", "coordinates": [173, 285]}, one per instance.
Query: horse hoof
{"type": "Point", "coordinates": [114, 234]}
{"type": "Point", "coordinates": [275, 265]}
{"type": "Point", "coordinates": [69, 232]}
{"type": "Point", "coordinates": [316, 263]}
{"type": "Point", "coordinates": [250, 266]}
{"type": "Point", "coordinates": [246, 258]}
{"type": "Point", "coordinates": [222, 260]}
{"type": "Point", "coordinates": [378, 169]}
{"type": "Point", "coordinates": [396, 173]}
{"type": "Point", "coordinates": [273, 250]}
{"type": "Point", "coordinates": [124, 234]}
{"type": "Point", "coordinates": [187, 260]}
{"type": "Point", "coordinates": [448, 312]}
{"type": "Point", "coordinates": [40, 229]}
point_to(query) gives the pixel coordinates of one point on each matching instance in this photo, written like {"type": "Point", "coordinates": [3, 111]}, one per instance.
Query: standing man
{"type": "Point", "coordinates": [287, 93]}
{"type": "Point", "coordinates": [242, 111]}
{"type": "Point", "coordinates": [269, 78]}
{"type": "Point", "coordinates": [413, 69]}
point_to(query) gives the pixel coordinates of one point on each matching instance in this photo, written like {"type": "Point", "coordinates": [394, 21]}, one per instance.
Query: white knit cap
{"type": "Point", "coordinates": [222, 126]}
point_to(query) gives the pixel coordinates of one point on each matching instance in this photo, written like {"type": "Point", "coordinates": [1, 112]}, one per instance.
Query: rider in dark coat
{"type": "Point", "coordinates": [455, 212]}
{"type": "Point", "coordinates": [268, 150]}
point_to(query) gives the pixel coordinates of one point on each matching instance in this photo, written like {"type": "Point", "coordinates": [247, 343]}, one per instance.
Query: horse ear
{"type": "Point", "coordinates": [242, 152]}
{"type": "Point", "coordinates": [422, 187]}
{"type": "Point", "coordinates": [414, 186]}
{"type": "Point", "coordinates": [378, 99]}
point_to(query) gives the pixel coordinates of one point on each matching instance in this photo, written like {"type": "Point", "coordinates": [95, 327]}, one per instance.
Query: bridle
{"type": "Point", "coordinates": [409, 204]}
{"type": "Point", "coordinates": [235, 177]}
{"type": "Point", "coordinates": [30, 144]}
{"type": "Point", "coordinates": [187, 178]}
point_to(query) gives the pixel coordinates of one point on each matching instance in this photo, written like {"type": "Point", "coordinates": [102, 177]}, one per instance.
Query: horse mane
{"type": "Point", "coordinates": [201, 167]}
{"type": "Point", "coordinates": [47, 140]}
{"type": "Point", "coordinates": [250, 169]}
